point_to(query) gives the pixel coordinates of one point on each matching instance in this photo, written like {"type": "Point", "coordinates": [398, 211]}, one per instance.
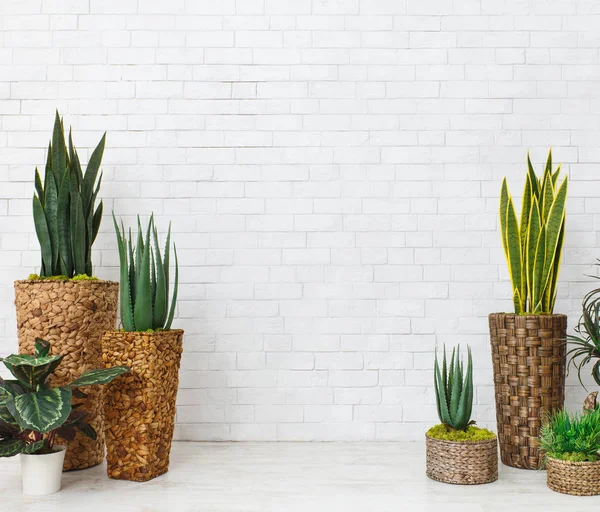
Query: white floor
{"type": "Point", "coordinates": [289, 477]}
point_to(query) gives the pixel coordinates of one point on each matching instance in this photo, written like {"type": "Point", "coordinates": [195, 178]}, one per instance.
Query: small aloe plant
{"type": "Point", "coordinates": [32, 413]}
{"type": "Point", "coordinates": [454, 391]}
{"type": "Point", "coordinates": [145, 280]}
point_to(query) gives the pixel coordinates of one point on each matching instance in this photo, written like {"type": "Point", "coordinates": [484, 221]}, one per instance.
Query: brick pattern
{"type": "Point", "coordinates": [332, 171]}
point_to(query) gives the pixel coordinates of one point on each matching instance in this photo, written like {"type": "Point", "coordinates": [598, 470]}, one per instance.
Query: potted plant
{"type": "Point", "coordinates": [33, 415]}
{"type": "Point", "coordinates": [528, 346]}
{"type": "Point", "coordinates": [572, 445]}
{"type": "Point", "coordinates": [457, 451]}
{"type": "Point", "coordinates": [586, 340]}
{"type": "Point", "coordinates": [140, 408]}
{"type": "Point", "coordinates": [64, 304]}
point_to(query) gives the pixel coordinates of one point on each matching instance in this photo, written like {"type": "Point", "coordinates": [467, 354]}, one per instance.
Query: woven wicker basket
{"type": "Point", "coordinates": [72, 315]}
{"type": "Point", "coordinates": [139, 407]}
{"type": "Point", "coordinates": [528, 357]}
{"type": "Point", "coordinates": [464, 463]}
{"type": "Point", "coordinates": [576, 478]}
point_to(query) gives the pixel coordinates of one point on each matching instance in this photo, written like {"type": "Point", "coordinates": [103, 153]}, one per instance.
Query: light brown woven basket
{"type": "Point", "coordinates": [72, 315]}
{"type": "Point", "coordinates": [465, 463]}
{"type": "Point", "coordinates": [528, 357]}
{"type": "Point", "coordinates": [576, 478]}
{"type": "Point", "coordinates": [139, 406]}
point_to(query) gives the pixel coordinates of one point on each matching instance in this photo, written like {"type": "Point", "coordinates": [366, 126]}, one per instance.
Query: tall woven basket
{"type": "Point", "coordinates": [72, 315]}
{"type": "Point", "coordinates": [576, 478]}
{"type": "Point", "coordinates": [528, 357]}
{"type": "Point", "coordinates": [465, 463]}
{"type": "Point", "coordinates": [140, 406]}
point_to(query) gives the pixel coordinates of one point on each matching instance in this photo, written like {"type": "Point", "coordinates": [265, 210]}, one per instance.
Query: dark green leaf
{"type": "Point", "coordinates": [89, 179]}
{"type": "Point", "coordinates": [42, 347]}
{"type": "Point", "coordinates": [100, 376]}
{"type": "Point", "coordinates": [11, 447]}
{"type": "Point", "coordinates": [174, 298]}
{"type": "Point", "coordinates": [124, 291]}
{"type": "Point", "coordinates": [43, 235]}
{"type": "Point", "coordinates": [59, 151]}
{"type": "Point", "coordinates": [41, 411]}
{"type": "Point", "coordinates": [142, 311]}
{"type": "Point", "coordinates": [34, 447]}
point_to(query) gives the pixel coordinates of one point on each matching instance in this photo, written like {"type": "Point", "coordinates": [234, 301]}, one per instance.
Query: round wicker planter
{"type": "Point", "coordinates": [529, 358]}
{"type": "Point", "coordinates": [139, 407]}
{"type": "Point", "coordinates": [72, 315]}
{"type": "Point", "coordinates": [576, 478]}
{"type": "Point", "coordinates": [464, 463]}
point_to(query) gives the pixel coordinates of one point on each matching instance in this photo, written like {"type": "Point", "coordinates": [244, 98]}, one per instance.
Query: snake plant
{"type": "Point", "coordinates": [144, 279]}
{"type": "Point", "coordinates": [64, 207]}
{"type": "Point", "coordinates": [32, 413]}
{"type": "Point", "coordinates": [533, 246]}
{"type": "Point", "coordinates": [454, 391]}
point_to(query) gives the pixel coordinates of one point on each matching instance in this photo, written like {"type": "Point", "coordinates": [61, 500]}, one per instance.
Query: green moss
{"type": "Point", "coordinates": [84, 277]}
{"type": "Point", "coordinates": [574, 457]}
{"type": "Point", "coordinates": [79, 277]}
{"type": "Point", "coordinates": [472, 434]}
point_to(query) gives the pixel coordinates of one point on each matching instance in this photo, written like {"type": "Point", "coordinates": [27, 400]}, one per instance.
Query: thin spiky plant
{"type": "Point", "coordinates": [144, 279]}
{"type": "Point", "coordinates": [454, 390]}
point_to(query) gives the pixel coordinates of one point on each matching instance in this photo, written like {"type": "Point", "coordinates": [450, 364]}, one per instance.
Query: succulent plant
{"type": "Point", "coordinates": [144, 279]}
{"type": "Point", "coordinates": [585, 343]}
{"type": "Point", "coordinates": [64, 207]}
{"type": "Point", "coordinates": [533, 247]}
{"type": "Point", "coordinates": [32, 412]}
{"type": "Point", "coordinates": [454, 391]}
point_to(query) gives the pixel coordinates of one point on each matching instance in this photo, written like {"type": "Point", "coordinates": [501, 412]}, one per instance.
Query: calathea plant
{"type": "Point", "coordinates": [533, 246]}
{"type": "Point", "coordinates": [144, 279]}
{"type": "Point", "coordinates": [454, 391]}
{"type": "Point", "coordinates": [64, 207]}
{"type": "Point", "coordinates": [32, 413]}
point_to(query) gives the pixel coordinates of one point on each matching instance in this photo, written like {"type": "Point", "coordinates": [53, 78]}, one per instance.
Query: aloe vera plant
{"type": "Point", "coordinates": [454, 390]}
{"type": "Point", "coordinates": [32, 413]}
{"type": "Point", "coordinates": [533, 246]}
{"type": "Point", "coordinates": [144, 279]}
{"type": "Point", "coordinates": [64, 207]}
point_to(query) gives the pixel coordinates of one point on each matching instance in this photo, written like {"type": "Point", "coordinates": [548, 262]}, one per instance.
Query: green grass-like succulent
{"type": "Point", "coordinates": [472, 434]}
{"type": "Point", "coordinates": [571, 437]}
{"type": "Point", "coordinates": [454, 391]}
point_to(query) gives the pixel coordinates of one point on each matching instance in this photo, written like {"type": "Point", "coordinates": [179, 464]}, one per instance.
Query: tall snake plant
{"type": "Point", "coordinates": [454, 390]}
{"type": "Point", "coordinates": [144, 279]}
{"type": "Point", "coordinates": [64, 207]}
{"type": "Point", "coordinates": [534, 245]}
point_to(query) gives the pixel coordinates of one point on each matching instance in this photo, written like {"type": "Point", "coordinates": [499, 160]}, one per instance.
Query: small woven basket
{"type": "Point", "coordinates": [575, 478]}
{"type": "Point", "coordinates": [464, 463]}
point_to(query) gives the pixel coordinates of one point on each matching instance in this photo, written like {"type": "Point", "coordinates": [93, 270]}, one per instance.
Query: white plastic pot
{"type": "Point", "coordinates": [42, 474]}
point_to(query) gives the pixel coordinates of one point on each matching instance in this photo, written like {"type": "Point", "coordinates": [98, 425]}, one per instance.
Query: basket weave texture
{"type": "Point", "coordinates": [139, 406]}
{"type": "Point", "coordinates": [465, 463]}
{"type": "Point", "coordinates": [576, 478]}
{"type": "Point", "coordinates": [72, 315]}
{"type": "Point", "coordinates": [528, 357]}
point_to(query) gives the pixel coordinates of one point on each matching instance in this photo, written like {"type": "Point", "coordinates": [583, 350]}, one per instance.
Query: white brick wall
{"type": "Point", "coordinates": [332, 170]}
